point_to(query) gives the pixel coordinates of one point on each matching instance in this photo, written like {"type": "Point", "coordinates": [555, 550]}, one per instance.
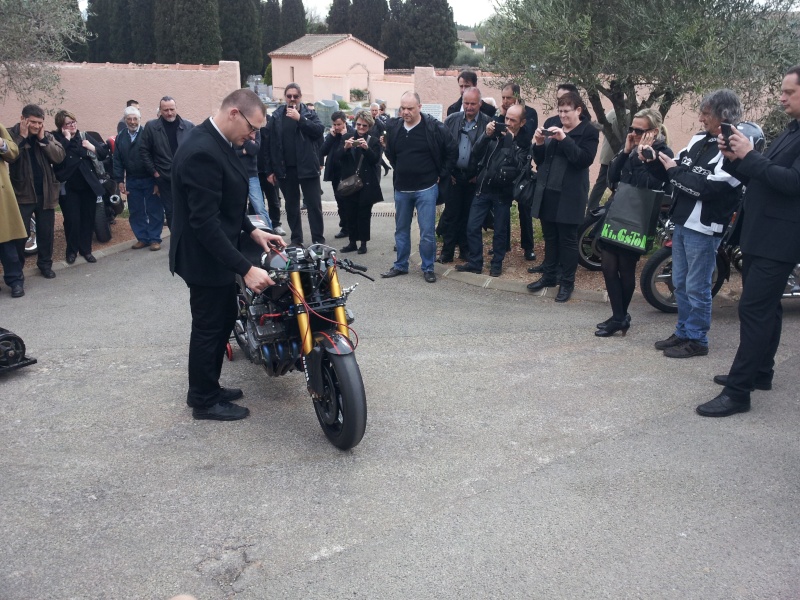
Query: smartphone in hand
{"type": "Point", "coordinates": [547, 133]}
{"type": "Point", "coordinates": [727, 130]}
{"type": "Point", "coordinates": [649, 153]}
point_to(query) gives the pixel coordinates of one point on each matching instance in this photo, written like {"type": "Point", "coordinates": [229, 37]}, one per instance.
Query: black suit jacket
{"type": "Point", "coordinates": [209, 189]}
{"type": "Point", "coordinates": [771, 214]}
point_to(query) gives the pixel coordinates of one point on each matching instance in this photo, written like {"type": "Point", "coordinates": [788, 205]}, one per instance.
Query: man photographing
{"type": "Point", "coordinates": [210, 189]}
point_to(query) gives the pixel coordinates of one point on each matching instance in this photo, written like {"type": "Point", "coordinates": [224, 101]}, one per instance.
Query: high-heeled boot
{"type": "Point", "coordinates": [613, 327]}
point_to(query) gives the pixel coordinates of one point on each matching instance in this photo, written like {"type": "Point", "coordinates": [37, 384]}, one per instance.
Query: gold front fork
{"type": "Point", "coordinates": [336, 292]}
{"type": "Point", "coordinates": [303, 322]}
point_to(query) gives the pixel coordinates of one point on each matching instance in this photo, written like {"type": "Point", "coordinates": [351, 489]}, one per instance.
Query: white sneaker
{"type": "Point", "coordinates": [279, 230]}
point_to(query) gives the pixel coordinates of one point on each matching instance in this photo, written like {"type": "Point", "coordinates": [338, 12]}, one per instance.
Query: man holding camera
{"type": "Point", "coordinates": [770, 248]}
{"type": "Point", "coordinates": [498, 157]}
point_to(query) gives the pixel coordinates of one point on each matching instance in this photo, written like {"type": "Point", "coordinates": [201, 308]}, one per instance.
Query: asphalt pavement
{"type": "Point", "coordinates": [509, 453]}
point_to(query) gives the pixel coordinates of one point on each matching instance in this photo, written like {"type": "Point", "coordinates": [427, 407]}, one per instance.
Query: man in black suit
{"type": "Point", "coordinates": [210, 189]}
{"type": "Point", "coordinates": [466, 80]}
{"type": "Point", "coordinates": [770, 247]}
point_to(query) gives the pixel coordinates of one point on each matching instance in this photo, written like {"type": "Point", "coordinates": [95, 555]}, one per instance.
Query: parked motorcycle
{"type": "Point", "coordinates": [12, 352]}
{"type": "Point", "coordinates": [302, 323]}
{"type": "Point", "coordinates": [656, 278]}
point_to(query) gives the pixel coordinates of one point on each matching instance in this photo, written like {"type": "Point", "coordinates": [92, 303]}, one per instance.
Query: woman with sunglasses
{"type": "Point", "coordinates": [636, 165]}
{"type": "Point", "coordinates": [360, 147]}
{"type": "Point", "coordinates": [81, 180]}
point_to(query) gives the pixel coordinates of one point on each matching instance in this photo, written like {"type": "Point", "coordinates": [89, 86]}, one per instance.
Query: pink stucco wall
{"type": "Point", "coordinates": [97, 93]}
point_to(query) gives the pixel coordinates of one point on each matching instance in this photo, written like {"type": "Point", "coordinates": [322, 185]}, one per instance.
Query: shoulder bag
{"type": "Point", "coordinates": [350, 185]}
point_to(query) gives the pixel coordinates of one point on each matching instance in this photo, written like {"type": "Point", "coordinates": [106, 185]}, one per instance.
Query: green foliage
{"type": "Point", "coordinates": [343, 105]}
{"type": "Point", "coordinates": [339, 17]}
{"type": "Point", "coordinates": [142, 16]}
{"type": "Point", "coordinates": [314, 22]}
{"type": "Point", "coordinates": [121, 47]}
{"type": "Point", "coordinates": [419, 33]}
{"type": "Point", "coordinates": [98, 26]}
{"type": "Point", "coordinates": [268, 75]}
{"type": "Point", "coordinates": [366, 20]}
{"type": "Point", "coordinates": [162, 31]}
{"type": "Point", "coordinates": [196, 33]}
{"type": "Point", "coordinates": [52, 28]}
{"type": "Point", "coordinates": [659, 52]}
{"type": "Point", "coordinates": [240, 35]}
{"type": "Point", "coordinates": [293, 21]}
{"type": "Point", "coordinates": [270, 27]}
{"type": "Point", "coordinates": [357, 94]}
{"type": "Point", "coordinates": [466, 57]}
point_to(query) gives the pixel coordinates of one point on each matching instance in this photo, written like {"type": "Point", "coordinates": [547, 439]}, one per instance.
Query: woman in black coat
{"type": "Point", "coordinates": [631, 166]}
{"type": "Point", "coordinates": [363, 147]}
{"type": "Point", "coordinates": [82, 184]}
{"type": "Point", "coordinates": [327, 155]}
{"type": "Point", "coordinates": [563, 156]}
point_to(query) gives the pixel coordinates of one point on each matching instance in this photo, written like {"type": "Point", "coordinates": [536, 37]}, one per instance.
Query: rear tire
{"type": "Point", "coordinates": [102, 229]}
{"type": "Point", "coordinates": [342, 410]}
{"type": "Point", "coordinates": [656, 280]}
{"type": "Point", "coordinates": [588, 252]}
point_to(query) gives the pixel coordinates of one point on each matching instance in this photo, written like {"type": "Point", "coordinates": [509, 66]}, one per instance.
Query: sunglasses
{"type": "Point", "coordinates": [292, 96]}
{"type": "Point", "coordinates": [637, 131]}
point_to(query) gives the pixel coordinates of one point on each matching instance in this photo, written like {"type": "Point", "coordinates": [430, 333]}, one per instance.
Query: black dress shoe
{"type": "Point", "coordinates": [613, 327]}
{"type": "Point", "coordinates": [221, 411]}
{"type": "Point", "coordinates": [230, 394]}
{"type": "Point", "coordinates": [536, 269]}
{"type": "Point", "coordinates": [17, 290]}
{"type": "Point", "coordinates": [445, 258]}
{"type": "Point", "coordinates": [759, 385]}
{"type": "Point", "coordinates": [540, 284]}
{"type": "Point", "coordinates": [71, 258]}
{"type": "Point", "coordinates": [468, 268]}
{"type": "Point", "coordinates": [48, 273]}
{"type": "Point", "coordinates": [393, 273]}
{"type": "Point", "coordinates": [430, 276]}
{"type": "Point", "coordinates": [89, 258]}
{"type": "Point", "coordinates": [495, 271]}
{"type": "Point", "coordinates": [607, 321]}
{"type": "Point", "coordinates": [564, 292]}
{"type": "Point", "coordinates": [341, 234]}
{"type": "Point", "coordinates": [530, 255]}
{"type": "Point", "coordinates": [362, 249]}
{"type": "Point", "coordinates": [350, 248]}
{"type": "Point", "coordinates": [723, 406]}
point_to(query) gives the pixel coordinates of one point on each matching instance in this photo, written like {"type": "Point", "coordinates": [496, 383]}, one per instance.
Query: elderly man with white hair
{"type": "Point", "coordinates": [136, 180]}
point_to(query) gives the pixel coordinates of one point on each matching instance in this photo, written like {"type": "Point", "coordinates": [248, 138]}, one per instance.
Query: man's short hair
{"type": "Point", "coordinates": [724, 104]}
{"type": "Point", "coordinates": [471, 77]}
{"type": "Point", "coordinates": [515, 89]}
{"type": "Point", "coordinates": [245, 101]}
{"type": "Point", "coordinates": [339, 116]}
{"type": "Point", "coordinates": [167, 99]}
{"type": "Point", "coordinates": [795, 70]}
{"type": "Point", "coordinates": [292, 86]}
{"type": "Point", "coordinates": [412, 93]}
{"type": "Point", "coordinates": [32, 110]}
{"type": "Point", "coordinates": [131, 110]}
{"type": "Point", "coordinates": [570, 87]}
{"type": "Point", "coordinates": [131, 103]}
{"type": "Point", "coordinates": [375, 105]}
{"type": "Point", "coordinates": [62, 116]}
{"type": "Point", "coordinates": [472, 90]}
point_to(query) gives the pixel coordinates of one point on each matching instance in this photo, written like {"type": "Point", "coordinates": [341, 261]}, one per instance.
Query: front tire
{"type": "Point", "coordinates": [342, 410]}
{"type": "Point", "coordinates": [656, 280]}
{"type": "Point", "coordinates": [588, 252]}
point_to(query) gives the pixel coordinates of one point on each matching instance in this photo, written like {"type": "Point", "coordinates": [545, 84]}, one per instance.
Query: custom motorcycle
{"type": "Point", "coordinates": [656, 278]}
{"type": "Point", "coordinates": [302, 323]}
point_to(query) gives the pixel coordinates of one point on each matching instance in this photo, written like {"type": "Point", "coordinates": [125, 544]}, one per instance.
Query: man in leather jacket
{"type": "Point", "coordinates": [499, 158]}
{"type": "Point", "coordinates": [292, 162]}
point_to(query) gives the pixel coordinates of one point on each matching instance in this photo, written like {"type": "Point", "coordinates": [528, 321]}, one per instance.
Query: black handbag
{"type": "Point", "coordinates": [631, 220]}
{"type": "Point", "coordinates": [525, 187]}
{"type": "Point", "coordinates": [350, 185]}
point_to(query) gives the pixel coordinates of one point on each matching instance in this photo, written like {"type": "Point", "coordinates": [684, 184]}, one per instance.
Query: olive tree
{"type": "Point", "coordinates": [645, 54]}
{"type": "Point", "coordinates": [34, 34]}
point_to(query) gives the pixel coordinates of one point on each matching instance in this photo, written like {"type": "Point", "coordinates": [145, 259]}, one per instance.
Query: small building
{"type": "Point", "coordinates": [327, 67]}
{"type": "Point", "coordinates": [469, 39]}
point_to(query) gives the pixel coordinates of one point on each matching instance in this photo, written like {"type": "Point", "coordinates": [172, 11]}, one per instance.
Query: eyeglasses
{"type": "Point", "coordinates": [252, 129]}
{"type": "Point", "coordinates": [362, 125]}
{"type": "Point", "coordinates": [637, 131]}
{"type": "Point", "coordinates": [293, 96]}
{"type": "Point", "coordinates": [70, 123]}
{"type": "Point", "coordinates": [565, 111]}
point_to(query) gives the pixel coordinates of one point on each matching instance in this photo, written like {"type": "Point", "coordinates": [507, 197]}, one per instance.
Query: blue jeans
{"type": "Point", "coordinates": [425, 203]}
{"type": "Point", "coordinates": [146, 210]}
{"type": "Point", "coordinates": [256, 195]}
{"type": "Point", "coordinates": [481, 205]}
{"type": "Point", "coordinates": [693, 261]}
